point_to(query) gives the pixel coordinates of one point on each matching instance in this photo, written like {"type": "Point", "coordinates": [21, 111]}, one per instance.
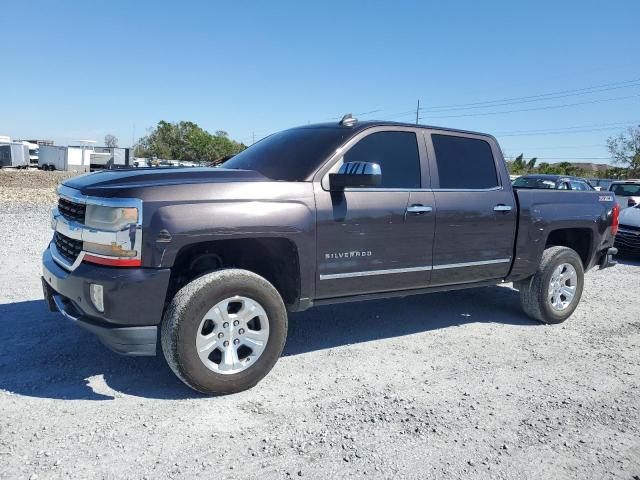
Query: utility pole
{"type": "Point", "coordinates": [418, 113]}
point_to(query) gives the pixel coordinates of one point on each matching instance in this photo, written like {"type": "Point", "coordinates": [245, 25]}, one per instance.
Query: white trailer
{"type": "Point", "coordinates": [64, 158]}
{"type": "Point", "coordinates": [33, 152]}
{"type": "Point", "coordinates": [14, 154]}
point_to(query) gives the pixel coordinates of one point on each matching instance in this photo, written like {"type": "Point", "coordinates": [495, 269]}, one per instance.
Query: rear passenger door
{"type": "Point", "coordinates": [475, 209]}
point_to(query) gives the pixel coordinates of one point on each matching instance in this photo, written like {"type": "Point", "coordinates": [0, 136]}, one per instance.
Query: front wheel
{"type": "Point", "coordinates": [224, 331]}
{"type": "Point", "coordinates": [552, 294]}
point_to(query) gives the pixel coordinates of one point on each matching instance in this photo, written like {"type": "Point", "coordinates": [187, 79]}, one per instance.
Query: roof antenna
{"type": "Point", "coordinates": [348, 120]}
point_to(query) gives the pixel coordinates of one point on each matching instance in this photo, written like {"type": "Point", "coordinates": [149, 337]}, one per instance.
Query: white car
{"type": "Point", "coordinates": [627, 193]}
{"type": "Point", "coordinates": [628, 236]}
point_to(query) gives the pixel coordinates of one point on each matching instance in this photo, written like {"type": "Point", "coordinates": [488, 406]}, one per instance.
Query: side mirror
{"type": "Point", "coordinates": [356, 174]}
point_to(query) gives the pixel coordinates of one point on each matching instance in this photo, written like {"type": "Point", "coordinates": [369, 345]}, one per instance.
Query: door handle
{"type": "Point", "coordinates": [418, 209]}
{"type": "Point", "coordinates": [502, 208]}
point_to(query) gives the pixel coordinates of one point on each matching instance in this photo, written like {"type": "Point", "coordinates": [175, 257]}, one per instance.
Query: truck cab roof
{"type": "Point", "coordinates": [358, 126]}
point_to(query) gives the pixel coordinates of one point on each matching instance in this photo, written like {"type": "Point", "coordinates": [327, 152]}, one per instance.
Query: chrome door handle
{"type": "Point", "coordinates": [502, 208]}
{"type": "Point", "coordinates": [418, 209]}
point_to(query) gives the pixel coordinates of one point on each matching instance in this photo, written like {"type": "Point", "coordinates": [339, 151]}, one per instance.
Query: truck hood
{"type": "Point", "coordinates": [108, 182]}
{"type": "Point", "coordinates": [630, 216]}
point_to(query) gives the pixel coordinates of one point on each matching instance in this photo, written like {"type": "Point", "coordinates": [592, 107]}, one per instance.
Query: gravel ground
{"type": "Point", "coordinates": [30, 186]}
{"type": "Point", "coordinates": [452, 385]}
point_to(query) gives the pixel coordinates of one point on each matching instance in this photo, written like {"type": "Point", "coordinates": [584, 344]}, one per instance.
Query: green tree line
{"type": "Point", "coordinates": [623, 148]}
{"type": "Point", "coordinates": [186, 141]}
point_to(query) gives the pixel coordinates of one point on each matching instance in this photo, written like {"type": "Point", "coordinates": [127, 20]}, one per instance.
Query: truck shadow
{"type": "Point", "coordinates": [625, 258]}
{"type": "Point", "coordinates": [348, 323]}
{"type": "Point", "coordinates": [42, 355]}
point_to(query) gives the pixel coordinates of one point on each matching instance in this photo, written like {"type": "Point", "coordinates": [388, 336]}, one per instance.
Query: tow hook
{"type": "Point", "coordinates": [607, 259]}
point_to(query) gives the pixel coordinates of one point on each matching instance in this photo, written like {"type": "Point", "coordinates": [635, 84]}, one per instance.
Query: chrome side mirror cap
{"type": "Point", "coordinates": [356, 174]}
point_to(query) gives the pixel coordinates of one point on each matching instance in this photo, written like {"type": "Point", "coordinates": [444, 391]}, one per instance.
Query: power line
{"type": "Point", "coordinates": [608, 124]}
{"type": "Point", "coordinates": [355, 114]}
{"type": "Point", "coordinates": [540, 97]}
{"type": "Point", "coordinates": [548, 107]}
{"type": "Point", "coordinates": [517, 100]}
{"type": "Point", "coordinates": [563, 158]}
{"type": "Point", "coordinates": [566, 130]}
{"type": "Point", "coordinates": [560, 147]}
{"type": "Point", "coordinates": [535, 99]}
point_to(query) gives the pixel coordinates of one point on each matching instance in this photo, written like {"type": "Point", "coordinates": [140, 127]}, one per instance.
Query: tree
{"type": "Point", "coordinates": [625, 149]}
{"type": "Point", "coordinates": [186, 141]}
{"type": "Point", "coordinates": [519, 166]}
{"type": "Point", "coordinates": [110, 140]}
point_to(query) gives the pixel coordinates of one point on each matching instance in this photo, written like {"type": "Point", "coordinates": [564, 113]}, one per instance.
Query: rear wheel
{"type": "Point", "coordinates": [224, 331]}
{"type": "Point", "coordinates": [552, 294]}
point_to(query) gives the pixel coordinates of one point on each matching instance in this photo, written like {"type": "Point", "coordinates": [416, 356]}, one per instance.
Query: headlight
{"type": "Point", "coordinates": [112, 219]}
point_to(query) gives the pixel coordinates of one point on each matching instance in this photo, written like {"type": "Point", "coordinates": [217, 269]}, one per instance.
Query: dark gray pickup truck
{"type": "Point", "coordinates": [206, 262]}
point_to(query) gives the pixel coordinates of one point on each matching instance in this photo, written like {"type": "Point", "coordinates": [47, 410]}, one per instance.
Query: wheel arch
{"type": "Point", "coordinates": [274, 258]}
{"type": "Point", "coordinates": [579, 239]}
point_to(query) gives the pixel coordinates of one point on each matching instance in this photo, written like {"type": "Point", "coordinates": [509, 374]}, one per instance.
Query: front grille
{"type": "Point", "coordinates": [629, 227]}
{"type": "Point", "coordinates": [67, 247]}
{"type": "Point", "coordinates": [627, 241]}
{"type": "Point", "coordinates": [71, 211]}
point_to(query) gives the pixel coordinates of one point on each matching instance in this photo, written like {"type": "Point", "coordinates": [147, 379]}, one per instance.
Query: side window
{"type": "Point", "coordinates": [465, 163]}
{"type": "Point", "coordinates": [563, 186]}
{"type": "Point", "coordinates": [575, 185]}
{"type": "Point", "coordinates": [395, 152]}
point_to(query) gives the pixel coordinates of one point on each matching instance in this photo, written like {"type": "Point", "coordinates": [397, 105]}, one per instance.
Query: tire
{"type": "Point", "coordinates": [534, 291]}
{"type": "Point", "coordinates": [186, 314]}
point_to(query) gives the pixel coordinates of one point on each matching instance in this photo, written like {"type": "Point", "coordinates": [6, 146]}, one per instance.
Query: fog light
{"type": "Point", "coordinates": [95, 292]}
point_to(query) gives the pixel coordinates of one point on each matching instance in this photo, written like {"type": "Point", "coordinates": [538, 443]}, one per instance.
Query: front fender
{"type": "Point", "coordinates": [191, 223]}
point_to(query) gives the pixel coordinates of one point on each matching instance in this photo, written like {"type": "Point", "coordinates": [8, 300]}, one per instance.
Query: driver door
{"type": "Point", "coordinates": [371, 239]}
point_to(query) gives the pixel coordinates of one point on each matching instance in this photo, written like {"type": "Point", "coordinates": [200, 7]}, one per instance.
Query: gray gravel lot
{"type": "Point", "coordinates": [452, 385]}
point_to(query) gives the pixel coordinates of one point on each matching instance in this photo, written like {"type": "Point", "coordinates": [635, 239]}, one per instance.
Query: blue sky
{"type": "Point", "coordinates": [76, 70]}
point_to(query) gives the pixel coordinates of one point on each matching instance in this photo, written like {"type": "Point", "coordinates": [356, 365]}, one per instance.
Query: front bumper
{"type": "Point", "coordinates": [628, 240]}
{"type": "Point", "coordinates": [133, 302]}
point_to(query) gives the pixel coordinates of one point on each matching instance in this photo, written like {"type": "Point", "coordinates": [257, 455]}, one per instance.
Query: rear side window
{"type": "Point", "coordinates": [626, 189]}
{"type": "Point", "coordinates": [533, 182]}
{"type": "Point", "coordinates": [465, 163]}
{"type": "Point", "coordinates": [577, 185]}
{"type": "Point", "coordinates": [395, 152]}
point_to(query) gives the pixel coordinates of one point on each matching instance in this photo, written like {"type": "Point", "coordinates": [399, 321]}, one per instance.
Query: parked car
{"type": "Point", "coordinates": [600, 184]}
{"type": "Point", "coordinates": [557, 182]}
{"type": "Point", "coordinates": [627, 192]}
{"type": "Point", "coordinates": [628, 236]}
{"type": "Point", "coordinates": [210, 260]}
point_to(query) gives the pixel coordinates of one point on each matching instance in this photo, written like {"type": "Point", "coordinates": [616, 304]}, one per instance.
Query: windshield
{"type": "Point", "coordinates": [626, 189]}
{"type": "Point", "coordinates": [532, 182]}
{"type": "Point", "coordinates": [290, 155]}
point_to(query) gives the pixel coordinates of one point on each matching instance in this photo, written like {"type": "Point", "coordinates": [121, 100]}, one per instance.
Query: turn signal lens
{"type": "Point", "coordinates": [113, 250]}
